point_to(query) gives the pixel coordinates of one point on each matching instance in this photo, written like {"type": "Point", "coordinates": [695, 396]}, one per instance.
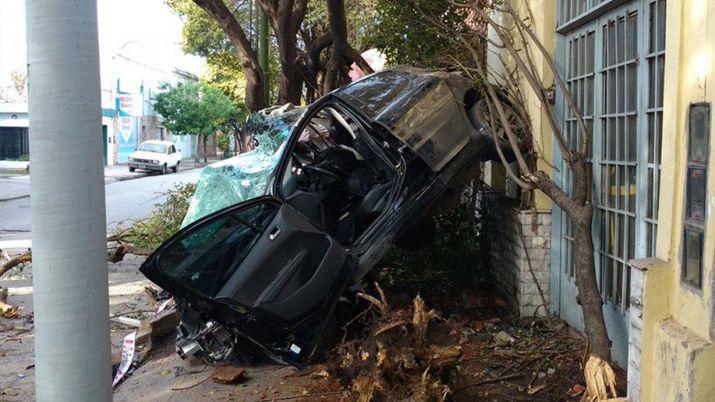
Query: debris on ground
{"type": "Point", "coordinates": [600, 379]}
{"type": "Point", "coordinates": [503, 339]}
{"type": "Point", "coordinates": [149, 323]}
{"type": "Point", "coordinates": [8, 311]}
{"type": "Point", "coordinates": [228, 374]}
{"type": "Point", "coordinates": [127, 358]}
{"type": "Point", "coordinates": [463, 353]}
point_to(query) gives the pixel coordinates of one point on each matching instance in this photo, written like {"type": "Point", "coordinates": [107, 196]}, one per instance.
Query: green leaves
{"type": "Point", "coordinates": [194, 108]}
{"type": "Point", "coordinates": [416, 32]}
{"type": "Point", "coordinates": [146, 235]}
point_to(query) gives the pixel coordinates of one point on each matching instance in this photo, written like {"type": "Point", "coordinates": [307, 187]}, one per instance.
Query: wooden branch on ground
{"type": "Point", "coordinates": [114, 254]}
{"type": "Point", "coordinates": [13, 262]}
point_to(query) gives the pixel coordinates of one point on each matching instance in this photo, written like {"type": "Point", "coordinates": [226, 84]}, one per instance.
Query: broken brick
{"type": "Point", "coordinates": [228, 374]}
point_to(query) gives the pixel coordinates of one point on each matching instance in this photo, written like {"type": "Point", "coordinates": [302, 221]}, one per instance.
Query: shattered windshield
{"type": "Point", "coordinates": [243, 177]}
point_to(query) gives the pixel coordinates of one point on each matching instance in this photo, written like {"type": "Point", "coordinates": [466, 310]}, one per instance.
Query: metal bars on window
{"type": "Point", "coordinates": [571, 9]}
{"type": "Point", "coordinates": [617, 161]}
{"type": "Point", "coordinates": [614, 71]}
{"type": "Point", "coordinates": [655, 62]}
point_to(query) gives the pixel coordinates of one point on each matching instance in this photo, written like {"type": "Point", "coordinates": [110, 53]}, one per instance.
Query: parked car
{"type": "Point", "coordinates": [155, 155]}
{"type": "Point", "coordinates": [362, 167]}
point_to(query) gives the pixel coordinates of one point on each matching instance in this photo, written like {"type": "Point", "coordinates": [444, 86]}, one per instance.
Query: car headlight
{"type": "Point", "coordinates": [132, 159]}
{"type": "Point", "coordinates": [156, 162]}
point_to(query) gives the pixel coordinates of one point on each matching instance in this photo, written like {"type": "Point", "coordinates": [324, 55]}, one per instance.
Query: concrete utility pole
{"type": "Point", "coordinates": [72, 357]}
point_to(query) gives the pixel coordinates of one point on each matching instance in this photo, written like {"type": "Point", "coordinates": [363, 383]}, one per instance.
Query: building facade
{"type": "Point", "coordinates": [128, 116]}
{"type": "Point", "coordinates": [638, 71]}
{"type": "Point", "coordinates": [14, 140]}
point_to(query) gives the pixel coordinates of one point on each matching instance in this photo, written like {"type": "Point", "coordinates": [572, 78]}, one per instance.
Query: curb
{"type": "Point", "coordinates": [15, 198]}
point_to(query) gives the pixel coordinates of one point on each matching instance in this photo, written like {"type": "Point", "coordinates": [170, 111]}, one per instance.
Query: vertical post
{"type": "Point", "coordinates": [72, 357]}
{"type": "Point", "coordinates": [263, 54]}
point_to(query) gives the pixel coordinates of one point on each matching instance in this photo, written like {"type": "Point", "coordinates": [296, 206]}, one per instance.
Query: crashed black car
{"type": "Point", "coordinates": [363, 166]}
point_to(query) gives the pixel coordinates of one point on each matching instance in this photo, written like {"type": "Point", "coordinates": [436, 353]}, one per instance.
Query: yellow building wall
{"type": "Point", "coordinates": [678, 356]}
{"type": "Point", "coordinates": [677, 352]}
{"type": "Point", "coordinates": [543, 26]}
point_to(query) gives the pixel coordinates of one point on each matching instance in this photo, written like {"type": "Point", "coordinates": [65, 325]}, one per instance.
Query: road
{"type": "Point", "coordinates": [126, 201]}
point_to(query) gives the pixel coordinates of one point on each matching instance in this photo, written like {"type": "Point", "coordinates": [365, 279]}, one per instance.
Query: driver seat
{"type": "Point", "coordinates": [371, 206]}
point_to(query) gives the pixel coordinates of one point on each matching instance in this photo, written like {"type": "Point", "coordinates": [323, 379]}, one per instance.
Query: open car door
{"type": "Point", "coordinates": [261, 270]}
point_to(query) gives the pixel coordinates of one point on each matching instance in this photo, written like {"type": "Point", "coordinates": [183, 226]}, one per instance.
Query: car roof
{"type": "Point", "coordinates": [158, 142]}
{"type": "Point", "coordinates": [382, 95]}
{"type": "Point", "coordinates": [424, 109]}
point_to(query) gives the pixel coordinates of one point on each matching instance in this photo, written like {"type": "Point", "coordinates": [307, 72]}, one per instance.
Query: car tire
{"type": "Point", "coordinates": [175, 168]}
{"type": "Point", "coordinates": [164, 169]}
{"type": "Point", "coordinates": [131, 169]}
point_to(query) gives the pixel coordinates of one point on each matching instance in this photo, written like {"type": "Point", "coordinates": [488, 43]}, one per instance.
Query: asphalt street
{"type": "Point", "coordinates": [126, 201]}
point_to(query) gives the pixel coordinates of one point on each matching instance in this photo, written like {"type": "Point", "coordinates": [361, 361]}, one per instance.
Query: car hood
{"type": "Point", "coordinates": [145, 155]}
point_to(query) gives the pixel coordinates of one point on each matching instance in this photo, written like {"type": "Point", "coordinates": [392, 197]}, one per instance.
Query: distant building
{"type": "Point", "coordinates": [128, 117]}
{"type": "Point", "coordinates": [14, 141]}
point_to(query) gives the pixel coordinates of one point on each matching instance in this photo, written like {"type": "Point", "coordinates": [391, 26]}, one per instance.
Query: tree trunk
{"type": "Point", "coordinates": [339, 29]}
{"type": "Point", "coordinates": [245, 53]}
{"type": "Point", "coordinates": [588, 294]}
{"type": "Point", "coordinates": [205, 149]}
{"type": "Point", "coordinates": [254, 98]}
{"type": "Point", "coordinates": [291, 84]}
{"type": "Point", "coordinates": [197, 156]}
{"type": "Point", "coordinates": [286, 17]}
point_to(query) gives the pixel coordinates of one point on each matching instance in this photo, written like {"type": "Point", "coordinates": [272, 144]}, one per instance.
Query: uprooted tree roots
{"type": "Point", "coordinates": [397, 359]}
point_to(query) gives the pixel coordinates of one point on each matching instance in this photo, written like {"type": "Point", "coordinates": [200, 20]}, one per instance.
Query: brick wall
{"type": "Point", "coordinates": [509, 262]}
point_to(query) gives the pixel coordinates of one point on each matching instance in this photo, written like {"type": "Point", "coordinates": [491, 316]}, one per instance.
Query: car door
{"type": "Point", "coordinates": [259, 267]}
{"type": "Point", "coordinates": [175, 154]}
{"type": "Point", "coordinates": [179, 155]}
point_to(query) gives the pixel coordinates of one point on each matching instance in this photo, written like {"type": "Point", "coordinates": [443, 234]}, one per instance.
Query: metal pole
{"type": "Point", "coordinates": [70, 297]}
{"type": "Point", "coordinates": [263, 54]}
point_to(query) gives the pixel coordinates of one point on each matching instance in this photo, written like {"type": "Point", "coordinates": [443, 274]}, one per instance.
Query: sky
{"type": "Point", "coordinates": [145, 31]}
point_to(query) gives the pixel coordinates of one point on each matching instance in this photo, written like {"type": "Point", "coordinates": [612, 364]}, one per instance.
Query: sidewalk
{"type": "Point", "coordinates": [121, 172]}
{"type": "Point", "coordinates": [16, 185]}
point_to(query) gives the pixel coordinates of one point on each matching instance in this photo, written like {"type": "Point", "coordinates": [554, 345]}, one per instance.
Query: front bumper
{"type": "Point", "coordinates": [145, 166]}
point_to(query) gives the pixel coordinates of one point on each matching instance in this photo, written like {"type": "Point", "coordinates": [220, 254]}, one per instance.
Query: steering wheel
{"type": "Point", "coordinates": [304, 153]}
{"type": "Point", "coordinates": [322, 171]}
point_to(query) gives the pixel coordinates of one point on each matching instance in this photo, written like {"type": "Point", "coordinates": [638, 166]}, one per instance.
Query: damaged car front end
{"type": "Point", "coordinates": [359, 169]}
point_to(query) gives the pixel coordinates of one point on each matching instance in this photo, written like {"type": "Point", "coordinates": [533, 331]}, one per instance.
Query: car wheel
{"type": "Point", "coordinates": [164, 169]}
{"type": "Point", "coordinates": [176, 167]}
{"type": "Point", "coordinates": [131, 169]}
